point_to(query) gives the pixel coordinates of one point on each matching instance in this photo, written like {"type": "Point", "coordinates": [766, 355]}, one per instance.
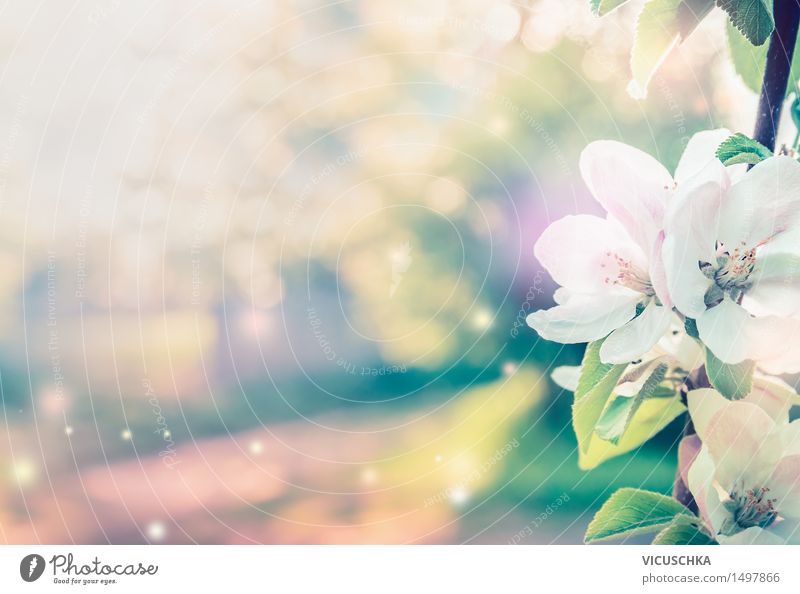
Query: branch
{"type": "Point", "coordinates": [776, 71]}
{"type": "Point", "coordinates": [680, 490]}
{"type": "Point", "coordinates": [773, 93]}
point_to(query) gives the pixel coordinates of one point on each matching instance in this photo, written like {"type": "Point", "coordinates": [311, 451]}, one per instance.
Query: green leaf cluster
{"type": "Point", "coordinates": [608, 424]}
{"type": "Point", "coordinates": [663, 24]}
{"type": "Point", "coordinates": [739, 148]}
{"type": "Point", "coordinates": [635, 511]}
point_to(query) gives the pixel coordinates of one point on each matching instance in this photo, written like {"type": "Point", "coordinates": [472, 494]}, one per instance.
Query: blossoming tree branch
{"type": "Point", "coordinates": [688, 295]}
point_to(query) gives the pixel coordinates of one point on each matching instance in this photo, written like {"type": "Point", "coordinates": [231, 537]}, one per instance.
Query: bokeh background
{"type": "Point", "coordinates": [265, 265]}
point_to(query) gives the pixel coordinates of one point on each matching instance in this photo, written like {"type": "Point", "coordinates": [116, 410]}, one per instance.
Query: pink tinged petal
{"type": "Point", "coordinates": [774, 396]}
{"type": "Point", "coordinates": [704, 405]}
{"type": "Point", "coordinates": [733, 335]}
{"type": "Point", "coordinates": [738, 440]}
{"type": "Point", "coordinates": [585, 253]}
{"type": "Point", "coordinates": [699, 161]}
{"type": "Point", "coordinates": [691, 228]}
{"type": "Point", "coordinates": [787, 360]}
{"type": "Point", "coordinates": [658, 272]}
{"type": "Point", "coordinates": [789, 436]}
{"type": "Point", "coordinates": [765, 202]}
{"type": "Point", "coordinates": [630, 184]}
{"type": "Point", "coordinates": [638, 336]}
{"type": "Point", "coordinates": [775, 280]}
{"type": "Point", "coordinates": [688, 450]}
{"type": "Point", "coordinates": [584, 318]}
{"type": "Point", "coordinates": [784, 486]}
{"type": "Point", "coordinates": [700, 478]}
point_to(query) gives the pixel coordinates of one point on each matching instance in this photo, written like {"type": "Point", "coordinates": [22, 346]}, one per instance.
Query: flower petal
{"type": "Point", "coordinates": [567, 376]}
{"type": "Point", "coordinates": [584, 318]}
{"type": "Point", "coordinates": [774, 396]}
{"type": "Point", "coordinates": [788, 359]}
{"type": "Point", "coordinates": [630, 184]}
{"type": "Point", "coordinates": [699, 161]}
{"type": "Point", "coordinates": [690, 226]}
{"type": "Point", "coordinates": [737, 439]}
{"type": "Point", "coordinates": [733, 335]}
{"type": "Point", "coordinates": [658, 272]}
{"type": "Point", "coordinates": [775, 281]}
{"type": "Point", "coordinates": [638, 336]}
{"type": "Point", "coordinates": [704, 404]}
{"type": "Point", "coordinates": [789, 436]}
{"type": "Point", "coordinates": [752, 536]}
{"type": "Point", "coordinates": [784, 486]}
{"type": "Point", "coordinates": [700, 482]}
{"type": "Point", "coordinates": [765, 202]}
{"type": "Point", "coordinates": [787, 530]}
{"type": "Point", "coordinates": [688, 450]}
{"type": "Point", "coordinates": [680, 347]}
{"type": "Point", "coordinates": [583, 253]}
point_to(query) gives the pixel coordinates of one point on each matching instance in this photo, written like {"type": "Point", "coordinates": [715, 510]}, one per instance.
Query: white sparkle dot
{"type": "Point", "coordinates": [458, 495]}
{"type": "Point", "coordinates": [68, 430]}
{"type": "Point", "coordinates": [125, 434]}
{"type": "Point", "coordinates": [369, 476]}
{"type": "Point", "coordinates": [156, 531]}
{"type": "Point", "coordinates": [438, 458]}
{"type": "Point", "coordinates": [509, 368]}
{"type": "Point", "coordinates": [482, 319]}
{"type": "Point", "coordinates": [256, 448]}
{"type": "Point", "coordinates": [24, 472]}
{"type": "Point", "coordinates": [167, 434]}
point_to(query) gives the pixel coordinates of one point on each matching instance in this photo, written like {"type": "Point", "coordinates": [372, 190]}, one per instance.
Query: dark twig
{"type": "Point", "coordinates": [776, 71]}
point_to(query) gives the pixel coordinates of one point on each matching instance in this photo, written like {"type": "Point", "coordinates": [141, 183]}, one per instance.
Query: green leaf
{"type": "Point", "coordinates": [633, 511]}
{"type": "Point", "coordinates": [651, 417]}
{"type": "Point", "coordinates": [617, 416]}
{"type": "Point", "coordinates": [684, 531]}
{"type": "Point", "coordinates": [593, 370]}
{"type": "Point", "coordinates": [603, 7]}
{"type": "Point", "coordinates": [596, 383]}
{"type": "Point", "coordinates": [661, 26]}
{"type": "Point", "coordinates": [748, 59]}
{"type": "Point", "coordinates": [752, 17]}
{"type": "Point", "coordinates": [732, 381]}
{"type": "Point", "coordinates": [742, 149]}
{"type": "Point", "coordinates": [690, 326]}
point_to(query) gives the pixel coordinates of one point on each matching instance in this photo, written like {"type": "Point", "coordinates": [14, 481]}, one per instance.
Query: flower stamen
{"type": "Point", "coordinates": [751, 507]}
